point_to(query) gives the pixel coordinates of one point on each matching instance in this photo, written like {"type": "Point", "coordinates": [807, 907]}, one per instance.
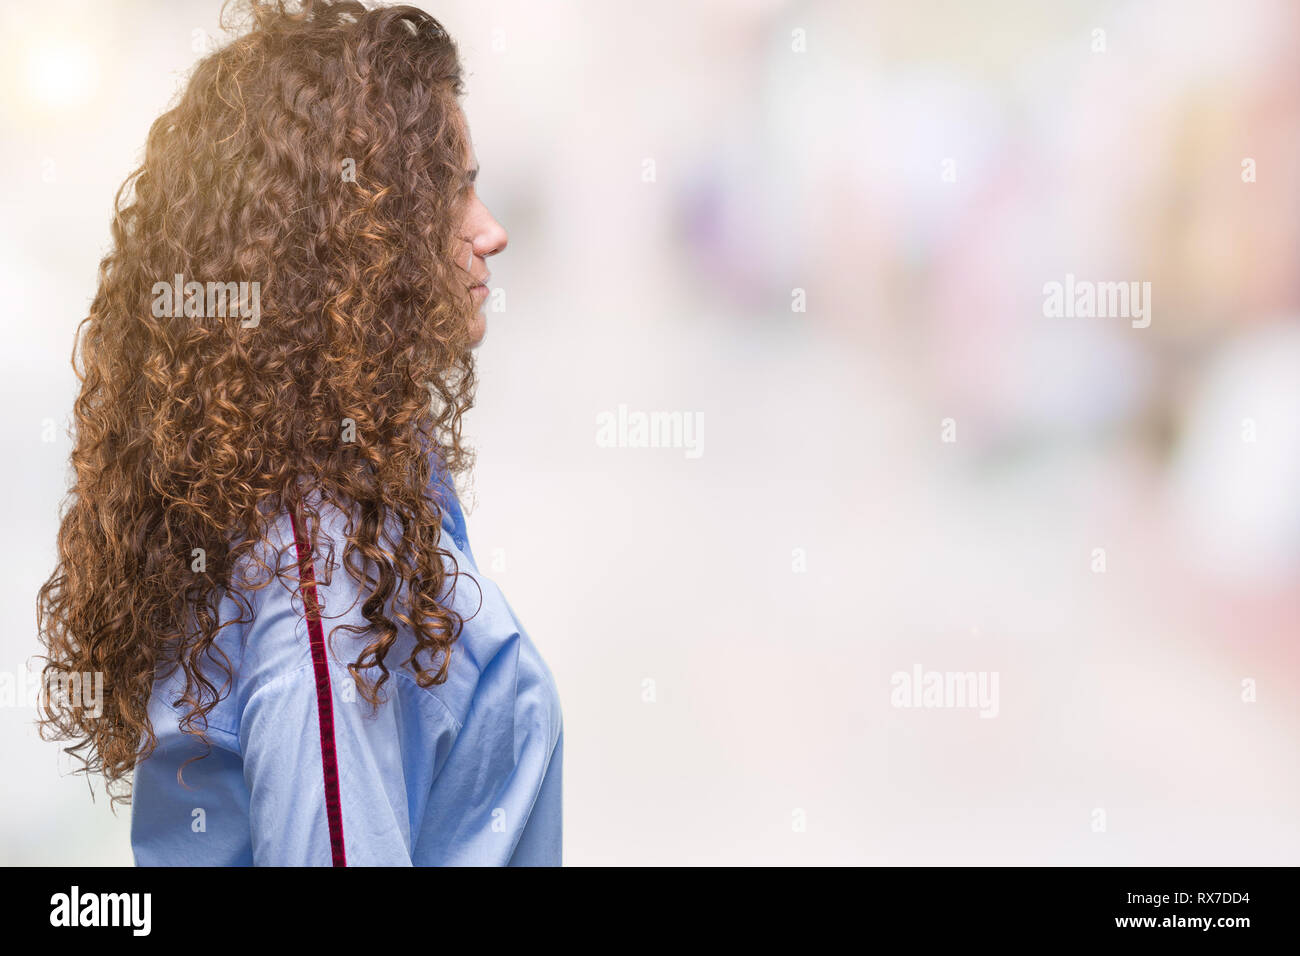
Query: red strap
{"type": "Point", "coordinates": [324, 697]}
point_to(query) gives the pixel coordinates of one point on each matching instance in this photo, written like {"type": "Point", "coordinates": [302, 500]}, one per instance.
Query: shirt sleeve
{"type": "Point", "coordinates": [324, 771]}
{"type": "Point", "coordinates": [308, 809]}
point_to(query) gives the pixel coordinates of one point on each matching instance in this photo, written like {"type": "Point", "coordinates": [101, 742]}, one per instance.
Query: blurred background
{"type": "Point", "coordinates": [823, 230]}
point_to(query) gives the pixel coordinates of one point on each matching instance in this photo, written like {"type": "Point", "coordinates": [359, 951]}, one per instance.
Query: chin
{"type": "Point", "coordinates": [477, 329]}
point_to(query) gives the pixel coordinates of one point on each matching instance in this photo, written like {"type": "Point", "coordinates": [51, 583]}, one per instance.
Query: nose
{"type": "Point", "coordinates": [486, 236]}
{"type": "Point", "coordinates": [489, 238]}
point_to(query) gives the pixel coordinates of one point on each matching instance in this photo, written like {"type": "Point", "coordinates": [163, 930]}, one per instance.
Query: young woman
{"type": "Point", "coordinates": [263, 553]}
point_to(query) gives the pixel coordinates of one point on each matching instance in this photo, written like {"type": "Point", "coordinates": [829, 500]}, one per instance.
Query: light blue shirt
{"type": "Point", "coordinates": [467, 772]}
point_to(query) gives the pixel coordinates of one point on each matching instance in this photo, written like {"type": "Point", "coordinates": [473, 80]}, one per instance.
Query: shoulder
{"type": "Point", "coordinates": [277, 639]}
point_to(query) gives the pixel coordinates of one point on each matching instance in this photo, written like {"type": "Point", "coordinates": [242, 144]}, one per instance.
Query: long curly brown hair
{"type": "Point", "coordinates": [321, 153]}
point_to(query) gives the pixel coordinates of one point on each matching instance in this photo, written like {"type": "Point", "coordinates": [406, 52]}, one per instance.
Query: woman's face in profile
{"type": "Point", "coordinates": [482, 236]}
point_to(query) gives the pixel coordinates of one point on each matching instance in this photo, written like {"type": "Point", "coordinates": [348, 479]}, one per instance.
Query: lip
{"type": "Point", "coordinates": [479, 289]}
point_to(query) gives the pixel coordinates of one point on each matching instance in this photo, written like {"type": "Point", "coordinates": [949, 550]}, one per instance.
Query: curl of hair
{"type": "Point", "coordinates": [196, 432]}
